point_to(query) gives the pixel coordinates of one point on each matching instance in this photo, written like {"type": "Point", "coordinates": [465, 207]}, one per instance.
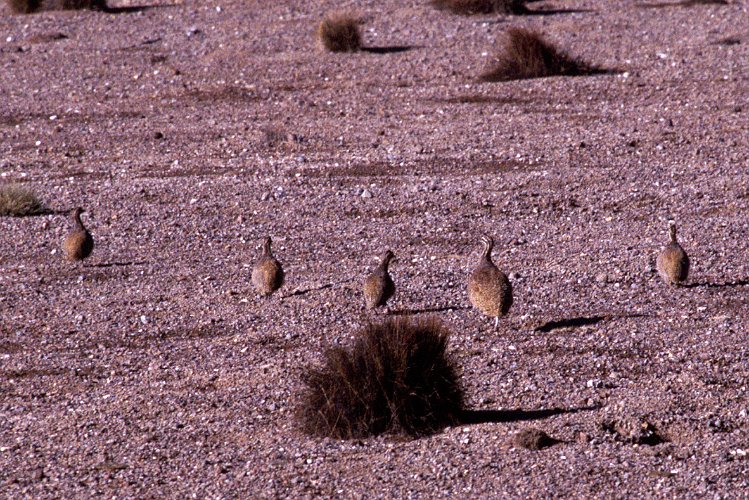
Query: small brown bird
{"type": "Point", "coordinates": [672, 262]}
{"type": "Point", "coordinates": [267, 274]}
{"type": "Point", "coordinates": [378, 286]}
{"type": "Point", "coordinates": [489, 290]}
{"type": "Point", "coordinates": [79, 243]}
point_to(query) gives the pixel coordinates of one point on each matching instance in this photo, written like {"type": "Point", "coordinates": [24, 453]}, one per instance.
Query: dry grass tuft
{"type": "Point", "coordinates": [31, 6]}
{"type": "Point", "coordinates": [23, 6]}
{"type": "Point", "coordinates": [525, 54]}
{"type": "Point", "coordinates": [339, 33]}
{"type": "Point", "coordinates": [469, 7]}
{"type": "Point", "coordinates": [395, 378]}
{"type": "Point", "coordinates": [19, 201]}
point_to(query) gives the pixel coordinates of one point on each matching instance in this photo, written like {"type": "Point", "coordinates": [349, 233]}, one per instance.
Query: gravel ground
{"type": "Point", "coordinates": [192, 131]}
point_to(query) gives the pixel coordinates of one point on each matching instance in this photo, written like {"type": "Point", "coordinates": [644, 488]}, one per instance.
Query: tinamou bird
{"type": "Point", "coordinates": [672, 263]}
{"type": "Point", "coordinates": [489, 290]}
{"type": "Point", "coordinates": [378, 286]}
{"type": "Point", "coordinates": [267, 273]}
{"type": "Point", "coordinates": [79, 243]}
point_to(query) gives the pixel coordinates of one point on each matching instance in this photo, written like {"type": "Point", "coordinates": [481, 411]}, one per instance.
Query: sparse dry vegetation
{"type": "Point", "coordinates": [31, 6]}
{"type": "Point", "coordinates": [339, 33]}
{"type": "Point", "coordinates": [395, 378]}
{"type": "Point", "coordinates": [19, 201]}
{"type": "Point", "coordinates": [469, 7]}
{"type": "Point", "coordinates": [525, 54]}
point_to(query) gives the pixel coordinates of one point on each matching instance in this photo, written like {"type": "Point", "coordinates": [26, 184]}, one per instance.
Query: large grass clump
{"type": "Point", "coordinates": [469, 7]}
{"type": "Point", "coordinates": [31, 6]}
{"type": "Point", "coordinates": [339, 33]}
{"type": "Point", "coordinates": [525, 54]}
{"type": "Point", "coordinates": [395, 378]}
{"type": "Point", "coordinates": [19, 201]}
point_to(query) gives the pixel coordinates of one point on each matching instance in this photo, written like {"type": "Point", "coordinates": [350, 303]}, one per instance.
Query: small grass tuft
{"type": "Point", "coordinates": [395, 378]}
{"type": "Point", "coordinates": [19, 201]}
{"type": "Point", "coordinates": [525, 54]}
{"type": "Point", "coordinates": [23, 6]}
{"type": "Point", "coordinates": [31, 6]}
{"type": "Point", "coordinates": [339, 33]}
{"type": "Point", "coordinates": [470, 7]}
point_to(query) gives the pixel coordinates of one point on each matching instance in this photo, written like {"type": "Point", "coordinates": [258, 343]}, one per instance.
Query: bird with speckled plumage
{"type": "Point", "coordinates": [489, 290]}
{"type": "Point", "coordinates": [379, 287]}
{"type": "Point", "coordinates": [673, 263]}
{"type": "Point", "coordinates": [267, 273]}
{"type": "Point", "coordinates": [79, 243]}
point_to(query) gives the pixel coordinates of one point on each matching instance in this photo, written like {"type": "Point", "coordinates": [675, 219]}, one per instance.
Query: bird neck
{"type": "Point", "coordinates": [486, 255]}
{"type": "Point", "coordinates": [266, 249]}
{"type": "Point", "coordinates": [672, 230]}
{"type": "Point", "coordinates": [78, 221]}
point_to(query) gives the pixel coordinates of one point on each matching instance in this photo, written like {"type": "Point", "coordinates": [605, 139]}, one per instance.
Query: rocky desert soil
{"type": "Point", "coordinates": [190, 131]}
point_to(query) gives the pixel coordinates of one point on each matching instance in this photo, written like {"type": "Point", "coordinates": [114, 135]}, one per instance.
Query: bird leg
{"type": "Point", "coordinates": [496, 323]}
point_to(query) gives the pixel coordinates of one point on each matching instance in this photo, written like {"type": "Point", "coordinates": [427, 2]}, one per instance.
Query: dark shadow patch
{"type": "Point", "coordinates": [30, 373]}
{"type": "Point", "coordinates": [119, 264]}
{"type": "Point", "coordinates": [570, 323]}
{"type": "Point", "coordinates": [470, 417]}
{"type": "Point", "coordinates": [683, 3]}
{"type": "Point", "coordinates": [555, 12]}
{"type": "Point", "coordinates": [304, 291]}
{"type": "Point", "coordinates": [411, 312]}
{"type": "Point", "coordinates": [394, 49]}
{"type": "Point", "coordinates": [728, 41]}
{"type": "Point", "coordinates": [480, 99]}
{"type": "Point", "coordinates": [134, 9]}
{"type": "Point", "coordinates": [707, 284]}
{"type": "Point", "coordinates": [55, 36]}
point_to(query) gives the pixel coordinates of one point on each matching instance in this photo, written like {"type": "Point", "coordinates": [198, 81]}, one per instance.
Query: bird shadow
{"type": "Point", "coordinates": [410, 312]}
{"type": "Point", "coordinates": [118, 264]}
{"type": "Point", "coordinates": [470, 417]}
{"type": "Point", "coordinates": [579, 321]}
{"type": "Point", "coordinates": [132, 9]}
{"type": "Point", "coordinates": [683, 3]}
{"type": "Point", "coordinates": [727, 284]}
{"type": "Point", "coordinates": [554, 12]}
{"type": "Point", "coordinates": [394, 49]}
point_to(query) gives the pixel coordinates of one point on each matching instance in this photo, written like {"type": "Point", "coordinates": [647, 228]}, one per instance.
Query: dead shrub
{"type": "Point", "coordinates": [396, 378]}
{"type": "Point", "coordinates": [525, 54]}
{"type": "Point", "coordinates": [339, 33]}
{"type": "Point", "coordinates": [31, 6]}
{"type": "Point", "coordinates": [19, 201]}
{"type": "Point", "coordinates": [469, 7]}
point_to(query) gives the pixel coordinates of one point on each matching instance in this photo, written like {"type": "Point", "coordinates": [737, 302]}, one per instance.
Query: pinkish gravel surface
{"type": "Point", "coordinates": [192, 131]}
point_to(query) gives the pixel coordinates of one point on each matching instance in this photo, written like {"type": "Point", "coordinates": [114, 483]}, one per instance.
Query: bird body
{"type": "Point", "coordinates": [379, 286]}
{"type": "Point", "coordinates": [79, 243]}
{"type": "Point", "coordinates": [489, 290]}
{"type": "Point", "coordinates": [673, 263]}
{"type": "Point", "coordinates": [267, 273]}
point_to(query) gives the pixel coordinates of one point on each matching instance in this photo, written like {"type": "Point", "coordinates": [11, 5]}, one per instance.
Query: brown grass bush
{"type": "Point", "coordinates": [468, 7]}
{"type": "Point", "coordinates": [339, 33]}
{"type": "Point", "coordinates": [525, 54]}
{"type": "Point", "coordinates": [19, 201]}
{"type": "Point", "coordinates": [31, 6]}
{"type": "Point", "coordinates": [395, 378]}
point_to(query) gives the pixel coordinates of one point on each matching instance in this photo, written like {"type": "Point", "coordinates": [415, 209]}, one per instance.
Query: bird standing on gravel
{"type": "Point", "coordinates": [79, 243]}
{"type": "Point", "coordinates": [489, 290]}
{"type": "Point", "coordinates": [672, 262]}
{"type": "Point", "coordinates": [378, 286]}
{"type": "Point", "coordinates": [267, 274]}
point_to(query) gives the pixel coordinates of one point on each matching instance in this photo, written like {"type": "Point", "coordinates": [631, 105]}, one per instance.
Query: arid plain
{"type": "Point", "coordinates": [190, 132]}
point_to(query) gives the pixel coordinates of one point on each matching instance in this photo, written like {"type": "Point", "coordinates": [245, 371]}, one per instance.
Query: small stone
{"type": "Point", "coordinates": [366, 194]}
{"type": "Point", "coordinates": [158, 135]}
{"type": "Point", "coordinates": [602, 278]}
